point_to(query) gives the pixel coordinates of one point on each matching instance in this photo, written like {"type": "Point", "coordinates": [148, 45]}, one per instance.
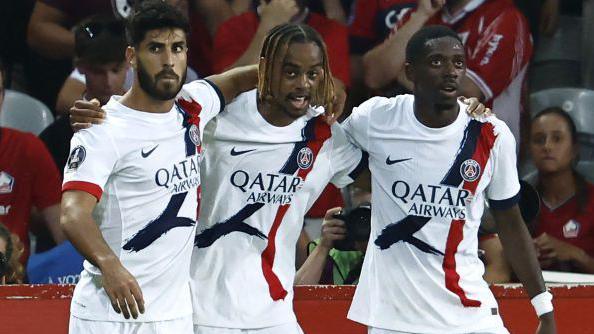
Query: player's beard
{"type": "Point", "coordinates": [149, 83]}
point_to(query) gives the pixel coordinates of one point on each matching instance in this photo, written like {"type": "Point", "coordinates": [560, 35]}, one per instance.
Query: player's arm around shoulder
{"type": "Point", "coordinates": [235, 81]}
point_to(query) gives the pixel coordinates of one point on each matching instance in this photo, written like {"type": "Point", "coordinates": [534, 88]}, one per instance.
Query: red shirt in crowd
{"type": "Point", "coordinates": [498, 49]}
{"type": "Point", "coordinates": [567, 224]}
{"type": "Point", "coordinates": [373, 20]}
{"type": "Point", "coordinates": [234, 36]}
{"type": "Point", "coordinates": [28, 178]}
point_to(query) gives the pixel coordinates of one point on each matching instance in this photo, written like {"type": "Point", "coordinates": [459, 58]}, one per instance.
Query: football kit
{"type": "Point", "coordinates": [144, 170]}
{"type": "Point", "coordinates": [421, 271]}
{"type": "Point", "coordinates": [259, 180]}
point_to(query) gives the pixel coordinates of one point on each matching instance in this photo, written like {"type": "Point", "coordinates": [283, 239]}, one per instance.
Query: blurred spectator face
{"type": "Point", "coordinates": [161, 62]}
{"type": "Point", "coordinates": [103, 81]}
{"type": "Point", "coordinates": [437, 74]}
{"type": "Point", "coordinates": [552, 145]}
{"type": "Point", "coordinates": [297, 77]}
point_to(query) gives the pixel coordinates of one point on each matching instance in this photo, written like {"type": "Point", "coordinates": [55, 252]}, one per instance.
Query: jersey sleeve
{"type": "Point", "coordinates": [91, 161]}
{"type": "Point", "coordinates": [504, 189]}
{"type": "Point", "coordinates": [208, 97]}
{"type": "Point", "coordinates": [347, 161]}
{"type": "Point", "coordinates": [503, 49]}
{"type": "Point", "coordinates": [356, 125]}
{"type": "Point", "coordinates": [46, 176]}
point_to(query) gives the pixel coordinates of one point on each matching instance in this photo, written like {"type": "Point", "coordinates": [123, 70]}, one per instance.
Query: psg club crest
{"type": "Point", "coordinates": [571, 229]}
{"type": "Point", "coordinates": [76, 158]}
{"type": "Point", "coordinates": [195, 134]}
{"type": "Point", "coordinates": [470, 170]}
{"type": "Point", "coordinates": [304, 158]}
{"type": "Point", "coordinates": [6, 183]}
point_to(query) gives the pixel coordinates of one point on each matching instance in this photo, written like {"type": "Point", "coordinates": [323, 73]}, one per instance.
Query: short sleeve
{"type": "Point", "coordinates": [347, 161]}
{"type": "Point", "coordinates": [46, 176]}
{"type": "Point", "coordinates": [501, 52]}
{"type": "Point", "coordinates": [356, 125]}
{"type": "Point", "coordinates": [91, 161]}
{"type": "Point", "coordinates": [504, 187]}
{"type": "Point", "coordinates": [207, 95]}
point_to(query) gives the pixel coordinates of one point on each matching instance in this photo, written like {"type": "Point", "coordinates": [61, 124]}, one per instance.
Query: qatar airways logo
{"type": "Point", "coordinates": [181, 176]}
{"type": "Point", "coordinates": [429, 200]}
{"type": "Point", "coordinates": [266, 187]}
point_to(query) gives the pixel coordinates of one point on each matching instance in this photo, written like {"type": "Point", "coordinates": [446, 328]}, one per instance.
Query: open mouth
{"type": "Point", "coordinates": [299, 101]}
{"type": "Point", "coordinates": [449, 89]}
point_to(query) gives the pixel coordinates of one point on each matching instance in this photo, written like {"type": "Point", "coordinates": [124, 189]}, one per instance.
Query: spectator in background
{"type": "Point", "coordinates": [372, 22]}
{"type": "Point", "coordinates": [100, 46]}
{"type": "Point", "coordinates": [564, 235]}
{"type": "Point", "coordinates": [100, 62]}
{"type": "Point", "coordinates": [28, 179]}
{"type": "Point", "coordinates": [239, 39]}
{"type": "Point", "coordinates": [498, 49]}
{"type": "Point", "coordinates": [11, 248]}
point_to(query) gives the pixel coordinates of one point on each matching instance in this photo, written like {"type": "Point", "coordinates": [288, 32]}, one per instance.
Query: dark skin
{"type": "Point", "coordinates": [295, 80]}
{"type": "Point", "coordinates": [437, 76]}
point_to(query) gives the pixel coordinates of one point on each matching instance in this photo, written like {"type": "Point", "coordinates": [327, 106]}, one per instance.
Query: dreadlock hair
{"type": "Point", "coordinates": [581, 189]}
{"type": "Point", "coordinates": [275, 47]}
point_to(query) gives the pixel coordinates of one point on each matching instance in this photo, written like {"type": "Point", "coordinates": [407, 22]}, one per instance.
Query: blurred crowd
{"type": "Point", "coordinates": [525, 62]}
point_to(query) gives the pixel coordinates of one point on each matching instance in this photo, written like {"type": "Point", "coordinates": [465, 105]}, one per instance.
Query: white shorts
{"type": "Point", "coordinates": [290, 328]}
{"type": "Point", "coordinates": [375, 330]}
{"type": "Point", "coordinates": [83, 326]}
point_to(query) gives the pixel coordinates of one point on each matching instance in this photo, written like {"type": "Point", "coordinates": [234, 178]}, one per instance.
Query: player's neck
{"type": "Point", "coordinates": [435, 116]}
{"type": "Point", "coordinates": [274, 115]}
{"type": "Point", "coordinates": [138, 99]}
{"type": "Point", "coordinates": [557, 187]}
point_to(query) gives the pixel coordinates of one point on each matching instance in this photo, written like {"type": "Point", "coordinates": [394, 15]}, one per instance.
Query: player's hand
{"type": "Point", "coordinates": [430, 7]}
{"type": "Point", "coordinates": [337, 108]}
{"type": "Point", "coordinates": [547, 324]}
{"type": "Point", "coordinates": [332, 229]}
{"type": "Point", "coordinates": [122, 289]}
{"type": "Point", "coordinates": [85, 113]}
{"type": "Point", "coordinates": [276, 12]}
{"type": "Point", "coordinates": [475, 107]}
{"type": "Point", "coordinates": [550, 250]}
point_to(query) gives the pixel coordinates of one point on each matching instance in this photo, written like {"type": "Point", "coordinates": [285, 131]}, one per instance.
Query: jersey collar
{"type": "Point", "coordinates": [447, 17]}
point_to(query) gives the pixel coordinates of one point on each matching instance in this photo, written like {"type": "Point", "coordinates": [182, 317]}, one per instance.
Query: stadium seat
{"type": "Point", "coordinates": [23, 112]}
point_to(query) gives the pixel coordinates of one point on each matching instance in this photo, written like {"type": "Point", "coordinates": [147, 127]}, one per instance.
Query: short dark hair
{"type": "Point", "coordinates": [100, 39]}
{"type": "Point", "coordinates": [415, 48]}
{"type": "Point", "coordinates": [153, 14]}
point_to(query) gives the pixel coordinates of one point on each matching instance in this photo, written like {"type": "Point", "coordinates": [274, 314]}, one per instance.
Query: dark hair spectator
{"type": "Point", "coordinates": [11, 249]}
{"type": "Point", "coordinates": [564, 233]}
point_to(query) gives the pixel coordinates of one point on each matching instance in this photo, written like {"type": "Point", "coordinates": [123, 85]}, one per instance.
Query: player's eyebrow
{"type": "Point", "coordinates": [289, 64]}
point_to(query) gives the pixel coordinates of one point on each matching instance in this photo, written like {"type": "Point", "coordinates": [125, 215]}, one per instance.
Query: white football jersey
{"type": "Point", "coordinates": [259, 180]}
{"type": "Point", "coordinates": [421, 271]}
{"type": "Point", "coordinates": [143, 168]}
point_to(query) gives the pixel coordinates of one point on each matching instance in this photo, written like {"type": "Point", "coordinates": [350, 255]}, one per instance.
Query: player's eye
{"type": "Point", "coordinates": [313, 75]}
{"type": "Point", "coordinates": [178, 48]}
{"type": "Point", "coordinates": [435, 62]}
{"type": "Point", "coordinates": [291, 73]}
{"type": "Point", "coordinates": [154, 48]}
{"type": "Point", "coordinates": [459, 63]}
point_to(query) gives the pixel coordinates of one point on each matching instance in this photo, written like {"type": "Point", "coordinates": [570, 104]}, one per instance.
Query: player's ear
{"type": "Point", "coordinates": [131, 56]}
{"type": "Point", "coordinates": [409, 71]}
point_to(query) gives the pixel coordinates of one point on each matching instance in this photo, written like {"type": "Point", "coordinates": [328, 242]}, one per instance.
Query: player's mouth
{"type": "Point", "coordinates": [299, 101]}
{"type": "Point", "coordinates": [449, 89]}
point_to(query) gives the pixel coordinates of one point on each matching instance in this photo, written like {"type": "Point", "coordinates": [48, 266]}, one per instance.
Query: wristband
{"type": "Point", "coordinates": [542, 303]}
